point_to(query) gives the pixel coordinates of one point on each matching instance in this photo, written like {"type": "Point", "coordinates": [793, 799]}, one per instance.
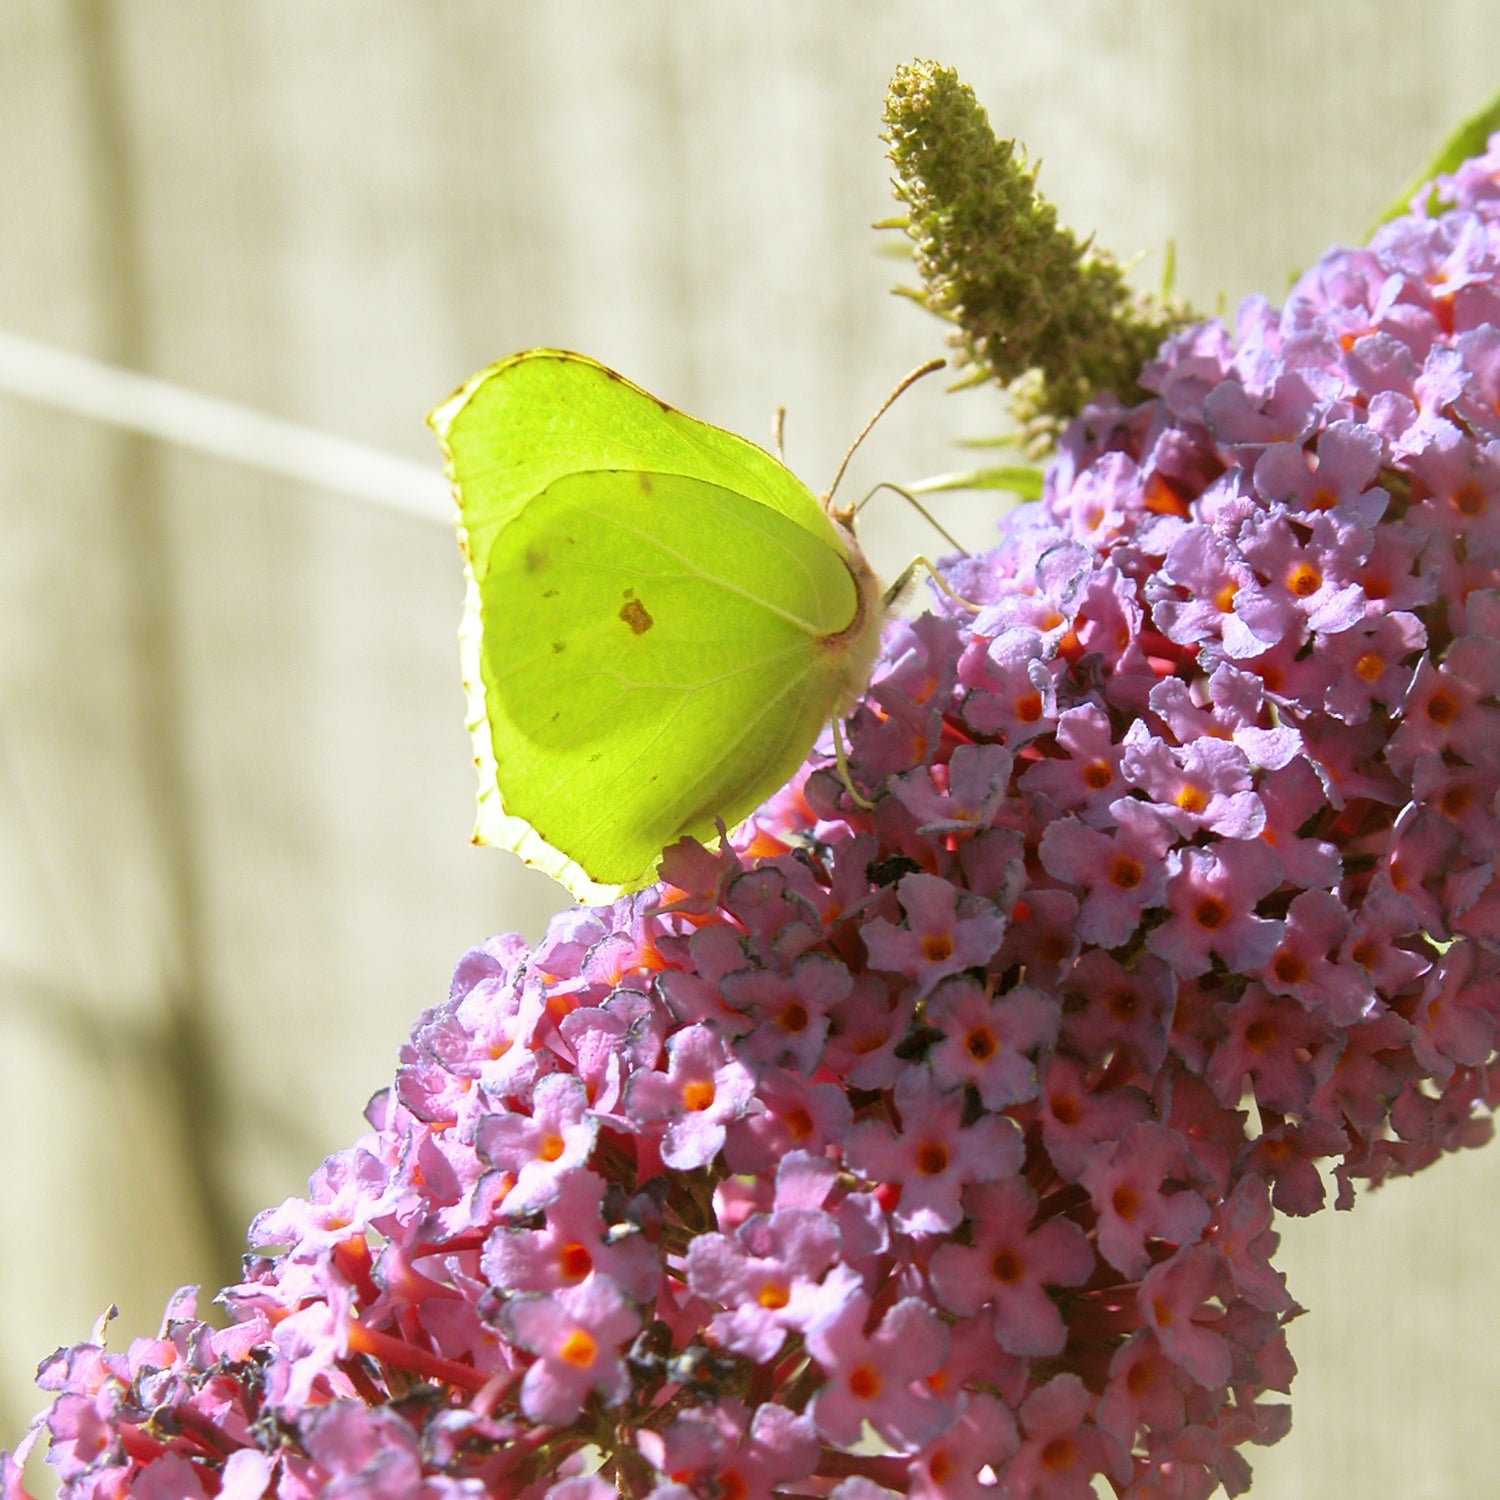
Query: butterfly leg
{"type": "Point", "coordinates": [894, 592]}
{"type": "Point", "coordinates": [921, 510]}
{"type": "Point", "coordinates": [841, 759]}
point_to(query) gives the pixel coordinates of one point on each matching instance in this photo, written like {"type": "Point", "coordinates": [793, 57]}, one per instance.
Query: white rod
{"type": "Point", "coordinates": [159, 409]}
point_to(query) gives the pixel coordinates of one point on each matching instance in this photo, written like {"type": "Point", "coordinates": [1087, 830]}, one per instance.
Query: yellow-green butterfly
{"type": "Point", "coordinates": [660, 617]}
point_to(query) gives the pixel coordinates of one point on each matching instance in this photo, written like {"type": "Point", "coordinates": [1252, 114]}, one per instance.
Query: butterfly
{"type": "Point", "coordinates": [660, 617]}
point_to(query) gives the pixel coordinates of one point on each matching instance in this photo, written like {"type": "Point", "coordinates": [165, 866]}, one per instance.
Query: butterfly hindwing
{"type": "Point", "coordinates": [650, 661]}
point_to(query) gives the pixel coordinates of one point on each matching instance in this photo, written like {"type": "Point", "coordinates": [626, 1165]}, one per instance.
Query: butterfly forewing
{"type": "Point", "coordinates": [536, 417]}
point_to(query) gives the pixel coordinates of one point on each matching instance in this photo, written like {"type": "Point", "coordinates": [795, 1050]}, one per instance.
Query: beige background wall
{"type": "Point", "coordinates": [234, 784]}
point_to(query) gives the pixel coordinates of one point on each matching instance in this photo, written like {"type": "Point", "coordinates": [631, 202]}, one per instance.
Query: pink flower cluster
{"type": "Point", "coordinates": [930, 1147]}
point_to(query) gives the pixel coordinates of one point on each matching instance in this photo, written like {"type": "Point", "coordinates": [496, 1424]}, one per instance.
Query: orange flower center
{"type": "Point", "coordinates": [1191, 798]}
{"type": "Point", "coordinates": [578, 1349]}
{"type": "Point", "coordinates": [698, 1094]}
{"type": "Point", "coordinates": [1259, 1035]}
{"type": "Point", "coordinates": [1456, 800]}
{"type": "Point", "coordinates": [1289, 968]}
{"type": "Point", "coordinates": [1469, 500]}
{"type": "Point", "coordinates": [932, 1158]}
{"type": "Point", "coordinates": [1210, 912]}
{"type": "Point", "coordinates": [937, 947]}
{"type": "Point", "coordinates": [574, 1261]}
{"type": "Point", "coordinates": [1097, 775]}
{"type": "Point", "coordinates": [1006, 1267]}
{"type": "Point", "coordinates": [1064, 1109]}
{"type": "Point", "coordinates": [1442, 707]}
{"type": "Point", "coordinates": [1058, 1454]}
{"type": "Point", "coordinates": [1304, 580]}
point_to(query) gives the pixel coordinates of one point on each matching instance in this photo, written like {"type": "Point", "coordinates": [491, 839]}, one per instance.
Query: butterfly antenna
{"type": "Point", "coordinates": [902, 386]}
{"type": "Point", "coordinates": [778, 425]}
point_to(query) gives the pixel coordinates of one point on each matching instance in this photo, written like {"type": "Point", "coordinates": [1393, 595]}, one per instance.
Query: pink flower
{"type": "Point", "coordinates": [962, 796]}
{"type": "Point", "coordinates": [792, 1008]}
{"type": "Point", "coordinates": [944, 933]}
{"type": "Point", "coordinates": [571, 1246]}
{"type": "Point", "coordinates": [1207, 784]}
{"type": "Point", "coordinates": [879, 1377]}
{"type": "Point", "coordinates": [1174, 1300]}
{"type": "Point", "coordinates": [542, 1148]}
{"type": "Point", "coordinates": [767, 1278]}
{"type": "Point", "coordinates": [1211, 895]}
{"type": "Point", "coordinates": [744, 1456]}
{"type": "Point", "coordinates": [1122, 871]}
{"type": "Point", "coordinates": [1062, 1450]}
{"type": "Point", "coordinates": [702, 1090]}
{"type": "Point", "coordinates": [931, 1155]}
{"type": "Point", "coordinates": [577, 1334]}
{"type": "Point", "coordinates": [956, 1465]}
{"type": "Point", "coordinates": [1089, 777]}
{"type": "Point", "coordinates": [1269, 1041]}
{"type": "Point", "coordinates": [1009, 1263]}
{"type": "Point", "coordinates": [1128, 1186]}
{"type": "Point", "coordinates": [990, 1041]}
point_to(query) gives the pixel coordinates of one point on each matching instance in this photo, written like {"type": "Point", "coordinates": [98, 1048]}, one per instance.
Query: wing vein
{"type": "Point", "coordinates": [693, 571]}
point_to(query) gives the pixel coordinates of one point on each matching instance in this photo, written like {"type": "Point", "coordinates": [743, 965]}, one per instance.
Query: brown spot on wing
{"type": "Point", "coordinates": [644, 480]}
{"type": "Point", "coordinates": [633, 612]}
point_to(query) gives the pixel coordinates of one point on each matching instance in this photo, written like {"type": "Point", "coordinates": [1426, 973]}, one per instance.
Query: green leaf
{"type": "Point", "coordinates": [1468, 140]}
{"type": "Point", "coordinates": [1024, 480]}
{"type": "Point", "coordinates": [659, 620]}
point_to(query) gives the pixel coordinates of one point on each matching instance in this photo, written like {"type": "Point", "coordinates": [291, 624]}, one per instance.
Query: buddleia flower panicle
{"type": "Point", "coordinates": [927, 1113]}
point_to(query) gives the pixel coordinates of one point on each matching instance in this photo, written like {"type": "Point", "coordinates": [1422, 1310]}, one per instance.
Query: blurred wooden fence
{"type": "Point", "coordinates": [234, 782]}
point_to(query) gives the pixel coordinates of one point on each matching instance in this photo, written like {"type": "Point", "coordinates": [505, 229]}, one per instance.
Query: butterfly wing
{"type": "Point", "coordinates": [649, 644]}
{"type": "Point", "coordinates": [547, 413]}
